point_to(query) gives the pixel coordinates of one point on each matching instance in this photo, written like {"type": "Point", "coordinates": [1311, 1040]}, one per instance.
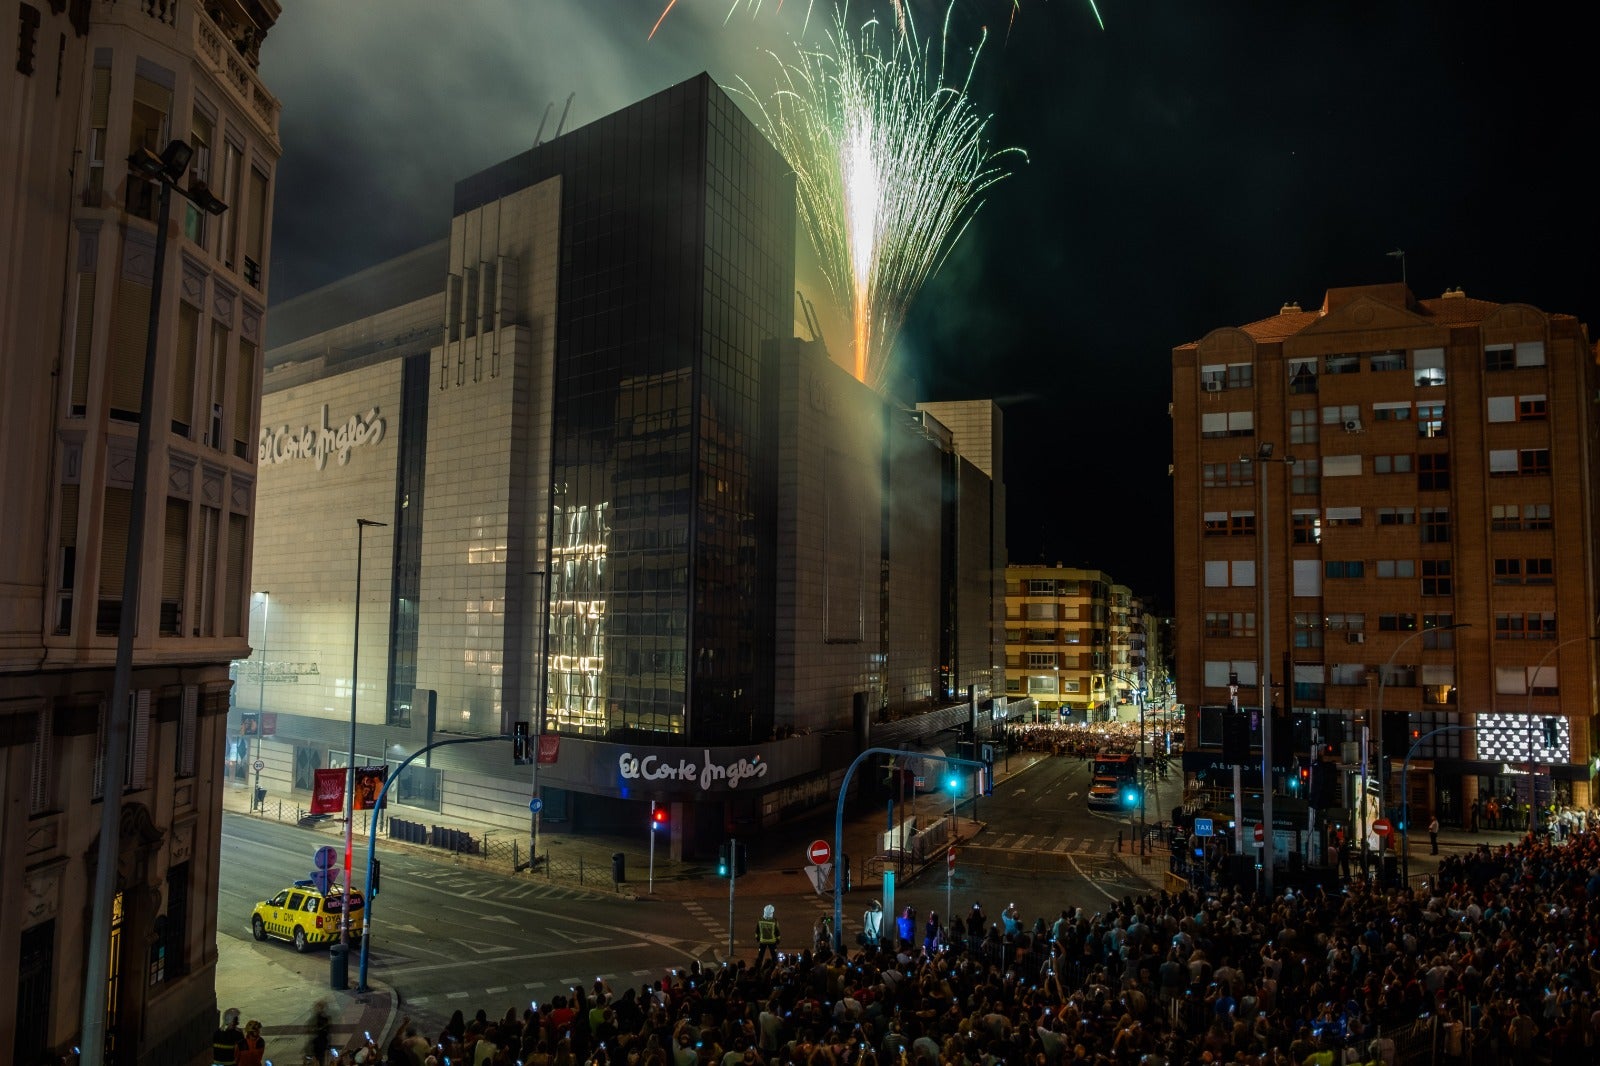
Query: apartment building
{"type": "Point", "coordinates": [1385, 509]}
{"type": "Point", "coordinates": [93, 83]}
{"type": "Point", "coordinates": [1059, 642]}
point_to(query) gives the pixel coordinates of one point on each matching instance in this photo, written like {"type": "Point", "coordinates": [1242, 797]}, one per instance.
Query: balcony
{"type": "Point", "coordinates": [224, 55]}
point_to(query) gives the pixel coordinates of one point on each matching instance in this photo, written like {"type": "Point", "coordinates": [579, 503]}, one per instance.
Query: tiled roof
{"type": "Point", "coordinates": [1280, 326]}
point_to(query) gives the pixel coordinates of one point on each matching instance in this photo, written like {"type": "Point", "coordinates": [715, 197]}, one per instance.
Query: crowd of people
{"type": "Point", "coordinates": [1496, 960]}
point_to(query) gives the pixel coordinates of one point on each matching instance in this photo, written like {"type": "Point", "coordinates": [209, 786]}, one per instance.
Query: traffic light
{"type": "Point", "coordinates": [1235, 738]}
{"type": "Point", "coordinates": [724, 860]}
{"type": "Point", "coordinates": [519, 743]}
{"type": "Point", "coordinates": [1130, 795]}
{"type": "Point", "coordinates": [738, 859]}
{"type": "Point", "coordinates": [1302, 781]}
{"type": "Point", "coordinates": [658, 817]}
{"type": "Point", "coordinates": [1552, 733]}
{"type": "Point", "coordinates": [377, 869]}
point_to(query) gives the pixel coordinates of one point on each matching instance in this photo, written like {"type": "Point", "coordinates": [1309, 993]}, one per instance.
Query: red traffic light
{"type": "Point", "coordinates": [658, 815]}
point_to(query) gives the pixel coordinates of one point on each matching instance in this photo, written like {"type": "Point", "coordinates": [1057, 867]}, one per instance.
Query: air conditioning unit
{"type": "Point", "coordinates": [1355, 637]}
{"type": "Point", "coordinates": [1352, 425]}
{"type": "Point", "coordinates": [1211, 385]}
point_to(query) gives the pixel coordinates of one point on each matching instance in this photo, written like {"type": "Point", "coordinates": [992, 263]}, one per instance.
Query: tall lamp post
{"type": "Point", "coordinates": [536, 804]}
{"type": "Point", "coordinates": [166, 170]}
{"type": "Point", "coordinates": [261, 694]}
{"type": "Point", "coordinates": [1533, 793]}
{"type": "Point", "coordinates": [350, 771]}
{"type": "Point", "coordinates": [1261, 459]}
{"type": "Point", "coordinates": [1383, 680]}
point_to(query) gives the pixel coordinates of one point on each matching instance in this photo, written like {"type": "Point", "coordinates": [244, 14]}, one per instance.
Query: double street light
{"type": "Point", "coordinates": [1261, 459]}
{"type": "Point", "coordinates": [350, 773]}
{"type": "Point", "coordinates": [166, 170]}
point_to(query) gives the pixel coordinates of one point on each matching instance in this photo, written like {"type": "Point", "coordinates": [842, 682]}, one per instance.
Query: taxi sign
{"type": "Point", "coordinates": [1202, 827]}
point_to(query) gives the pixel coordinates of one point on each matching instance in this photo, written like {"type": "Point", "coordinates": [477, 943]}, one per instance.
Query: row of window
{"type": "Point", "coordinates": [1427, 366]}
{"type": "Point", "coordinates": [46, 774]}
{"type": "Point", "coordinates": [1439, 679]}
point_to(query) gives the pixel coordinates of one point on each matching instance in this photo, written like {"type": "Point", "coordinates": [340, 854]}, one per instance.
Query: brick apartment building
{"type": "Point", "coordinates": [1420, 555]}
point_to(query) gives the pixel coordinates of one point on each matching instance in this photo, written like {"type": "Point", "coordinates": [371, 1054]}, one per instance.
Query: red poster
{"type": "Point", "coordinates": [327, 792]}
{"type": "Point", "coordinates": [549, 748]}
{"type": "Point", "coordinates": [369, 786]}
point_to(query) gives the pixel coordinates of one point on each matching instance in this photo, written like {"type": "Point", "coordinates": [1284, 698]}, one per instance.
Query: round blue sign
{"type": "Point", "coordinates": [326, 857]}
{"type": "Point", "coordinates": [536, 805]}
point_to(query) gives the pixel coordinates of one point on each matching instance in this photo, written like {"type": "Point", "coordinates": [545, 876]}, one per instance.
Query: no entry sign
{"type": "Point", "coordinates": [819, 852]}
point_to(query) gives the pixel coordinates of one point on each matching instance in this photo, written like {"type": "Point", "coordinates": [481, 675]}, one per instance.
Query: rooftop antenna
{"type": "Point", "coordinates": [812, 325]}
{"type": "Point", "coordinates": [1400, 254]}
{"type": "Point", "coordinates": [565, 108]}
{"type": "Point", "coordinates": [538, 138]}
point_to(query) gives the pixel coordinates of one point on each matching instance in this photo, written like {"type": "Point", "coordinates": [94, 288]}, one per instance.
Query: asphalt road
{"type": "Point", "coordinates": [448, 937]}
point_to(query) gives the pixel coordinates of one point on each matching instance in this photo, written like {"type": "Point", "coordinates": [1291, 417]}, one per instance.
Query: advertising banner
{"type": "Point", "coordinates": [369, 786]}
{"type": "Point", "coordinates": [327, 792]}
{"type": "Point", "coordinates": [549, 748]}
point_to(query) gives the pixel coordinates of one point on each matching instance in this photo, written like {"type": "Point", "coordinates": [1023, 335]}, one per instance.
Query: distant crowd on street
{"type": "Point", "coordinates": [1496, 960]}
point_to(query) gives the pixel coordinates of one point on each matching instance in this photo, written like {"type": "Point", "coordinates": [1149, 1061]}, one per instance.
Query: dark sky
{"type": "Point", "coordinates": [1196, 164]}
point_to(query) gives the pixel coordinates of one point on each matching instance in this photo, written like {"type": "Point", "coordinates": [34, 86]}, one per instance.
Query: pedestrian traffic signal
{"type": "Point", "coordinates": [519, 743]}
{"type": "Point", "coordinates": [724, 860]}
{"type": "Point", "coordinates": [738, 859]}
{"type": "Point", "coordinates": [377, 869]}
{"type": "Point", "coordinates": [658, 817]}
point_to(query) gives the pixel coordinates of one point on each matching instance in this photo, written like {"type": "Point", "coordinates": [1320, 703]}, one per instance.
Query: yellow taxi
{"type": "Point", "coordinates": [305, 915]}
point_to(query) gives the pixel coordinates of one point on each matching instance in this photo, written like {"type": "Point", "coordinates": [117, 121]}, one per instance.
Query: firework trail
{"type": "Point", "coordinates": [899, 7]}
{"type": "Point", "coordinates": [890, 165]}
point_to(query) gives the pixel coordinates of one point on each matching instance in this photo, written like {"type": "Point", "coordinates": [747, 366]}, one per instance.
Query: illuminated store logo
{"type": "Point", "coordinates": [282, 446]}
{"type": "Point", "coordinates": [655, 768]}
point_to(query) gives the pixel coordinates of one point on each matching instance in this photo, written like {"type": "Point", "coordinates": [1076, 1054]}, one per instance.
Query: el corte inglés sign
{"type": "Point", "coordinates": [707, 774]}
{"type": "Point", "coordinates": [316, 443]}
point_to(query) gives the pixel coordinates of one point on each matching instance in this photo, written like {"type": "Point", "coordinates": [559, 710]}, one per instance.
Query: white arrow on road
{"type": "Point", "coordinates": [481, 949]}
{"type": "Point", "coordinates": [579, 938]}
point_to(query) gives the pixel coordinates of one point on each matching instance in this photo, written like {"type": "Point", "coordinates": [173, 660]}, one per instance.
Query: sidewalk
{"type": "Point", "coordinates": [279, 988]}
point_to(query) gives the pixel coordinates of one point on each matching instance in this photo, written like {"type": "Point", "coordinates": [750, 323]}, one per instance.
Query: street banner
{"type": "Point", "coordinates": [549, 748]}
{"type": "Point", "coordinates": [369, 786]}
{"type": "Point", "coordinates": [327, 792]}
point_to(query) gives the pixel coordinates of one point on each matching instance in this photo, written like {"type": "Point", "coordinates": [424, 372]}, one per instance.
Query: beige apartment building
{"type": "Point", "coordinates": [93, 82]}
{"type": "Point", "coordinates": [1059, 640]}
{"type": "Point", "coordinates": [1386, 503]}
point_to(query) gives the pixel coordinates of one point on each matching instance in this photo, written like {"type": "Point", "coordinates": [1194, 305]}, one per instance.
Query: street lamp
{"type": "Point", "coordinates": [536, 804]}
{"type": "Point", "coordinates": [166, 169]}
{"type": "Point", "coordinates": [1533, 793]}
{"type": "Point", "coordinates": [1383, 677]}
{"type": "Point", "coordinates": [1262, 457]}
{"type": "Point", "coordinates": [261, 694]}
{"type": "Point", "coordinates": [350, 771]}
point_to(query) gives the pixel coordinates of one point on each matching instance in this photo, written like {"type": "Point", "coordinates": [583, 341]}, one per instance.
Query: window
{"type": "Point", "coordinates": [1396, 568]}
{"type": "Point", "coordinates": [99, 122]}
{"type": "Point", "coordinates": [1508, 571]}
{"type": "Point", "coordinates": [1302, 376]}
{"type": "Point", "coordinates": [1396, 516]}
{"type": "Point", "coordinates": [1341, 466]}
{"type": "Point", "coordinates": [1216, 573]}
{"type": "Point", "coordinates": [1539, 571]}
{"type": "Point", "coordinates": [1347, 674]}
{"type": "Point", "coordinates": [1242, 523]}
{"type": "Point", "coordinates": [1341, 364]}
{"type": "Point", "coordinates": [1338, 415]}
{"type": "Point", "coordinates": [1391, 412]}
{"type": "Point", "coordinates": [1392, 464]}
{"type": "Point", "coordinates": [1241, 375]}
{"type": "Point", "coordinates": [1303, 477]}
{"type": "Point", "coordinates": [1307, 577]}
{"type": "Point", "coordinates": [1427, 367]}
{"type": "Point", "coordinates": [1227, 475]}
{"type": "Point", "coordinates": [1509, 627]}
{"type": "Point", "coordinates": [1533, 461]}
{"type": "Point", "coordinates": [1306, 527]}
{"type": "Point", "coordinates": [1039, 612]}
{"type": "Point", "coordinates": [1244, 573]}
{"type": "Point", "coordinates": [1390, 360]}
{"type": "Point", "coordinates": [148, 123]}
{"type": "Point", "coordinates": [41, 779]}
{"type": "Point", "coordinates": [1436, 578]}
{"type": "Point", "coordinates": [1036, 587]}
{"type": "Point", "coordinates": [1502, 409]}
{"type": "Point", "coordinates": [1397, 623]}
{"type": "Point", "coordinates": [1227, 423]}
{"type": "Point", "coordinates": [1433, 472]}
{"type": "Point", "coordinates": [1502, 462]}
{"type": "Point", "coordinates": [1531, 409]}
{"type": "Point", "coordinates": [1436, 633]}
{"type": "Point", "coordinates": [255, 234]}
{"type": "Point", "coordinates": [1041, 659]}
{"type": "Point", "coordinates": [1347, 622]}
{"type": "Point", "coordinates": [1307, 630]}
{"type": "Point", "coordinates": [1344, 516]}
{"type": "Point", "coordinates": [1219, 624]}
{"type": "Point", "coordinates": [1436, 525]}
{"type": "Point", "coordinates": [1430, 419]}
{"type": "Point", "coordinates": [1216, 523]}
{"type": "Point", "coordinates": [1213, 377]}
{"type": "Point", "coordinates": [1498, 357]}
{"type": "Point", "coordinates": [1348, 568]}
{"type": "Point", "coordinates": [201, 138]}
{"type": "Point", "coordinates": [1303, 425]}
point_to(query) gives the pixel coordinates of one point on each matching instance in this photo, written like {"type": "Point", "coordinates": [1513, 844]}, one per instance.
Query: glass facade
{"type": "Point", "coordinates": [676, 271]}
{"type": "Point", "coordinates": [410, 474]}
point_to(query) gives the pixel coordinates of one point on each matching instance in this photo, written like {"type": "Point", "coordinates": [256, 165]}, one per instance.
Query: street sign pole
{"type": "Point", "coordinates": [652, 881]}
{"type": "Point", "coordinates": [949, 880]}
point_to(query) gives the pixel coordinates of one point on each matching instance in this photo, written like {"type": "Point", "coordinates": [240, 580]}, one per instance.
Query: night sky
{"type": "Point", "coordinates": [1197, 164]}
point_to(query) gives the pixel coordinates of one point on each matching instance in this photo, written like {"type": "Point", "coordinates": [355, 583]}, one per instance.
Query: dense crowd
{"type": "Point", "coordinates": [1497, 960]}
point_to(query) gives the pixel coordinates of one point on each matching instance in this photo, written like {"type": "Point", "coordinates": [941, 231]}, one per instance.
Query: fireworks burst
{"type": "Point", "coordinates": [890, 165]}
{"type": "Point", "coordinates": [899, 7]}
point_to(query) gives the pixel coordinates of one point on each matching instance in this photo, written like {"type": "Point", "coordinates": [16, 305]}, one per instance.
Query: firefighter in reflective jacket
{"type": "Point", "coordinates": [767, 934]}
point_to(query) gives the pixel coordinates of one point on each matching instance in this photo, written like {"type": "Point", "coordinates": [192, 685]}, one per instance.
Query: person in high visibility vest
{"type": "Point", "coordinates": [767, 934]}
